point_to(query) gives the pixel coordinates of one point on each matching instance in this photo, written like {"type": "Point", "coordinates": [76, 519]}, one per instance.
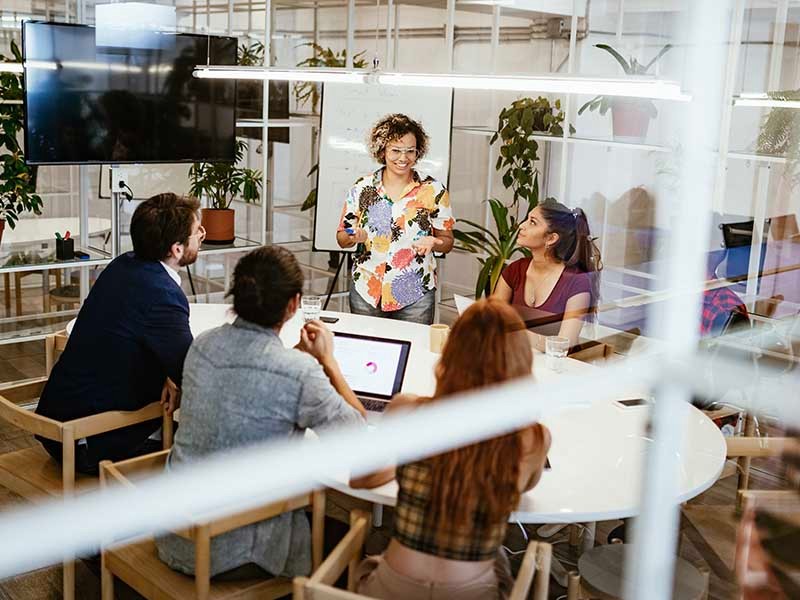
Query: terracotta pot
{"type": "Point", "coordinates": [218, 223]}
{"type": "Point", "coordinates": [629, 121]}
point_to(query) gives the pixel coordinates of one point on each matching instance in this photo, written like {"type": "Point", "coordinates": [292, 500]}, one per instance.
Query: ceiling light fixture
{"type": "Point", "coordinates": [636, 87]}
{"type": "Point", "coordinates": [10, 67]}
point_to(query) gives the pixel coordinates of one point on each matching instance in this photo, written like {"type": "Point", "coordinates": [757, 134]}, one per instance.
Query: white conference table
{"type": "Point", "coordinates": [597, 452]}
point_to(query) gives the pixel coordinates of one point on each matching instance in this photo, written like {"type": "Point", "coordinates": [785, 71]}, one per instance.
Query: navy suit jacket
{"type": "Point", "coordinates": [131, 334]}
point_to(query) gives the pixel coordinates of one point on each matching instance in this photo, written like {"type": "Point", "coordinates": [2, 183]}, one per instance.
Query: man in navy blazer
{"type": "Point", "coordinates": [132, 333]}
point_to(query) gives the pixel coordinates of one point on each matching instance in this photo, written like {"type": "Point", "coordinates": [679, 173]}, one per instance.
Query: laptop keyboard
{"type": "Point", "coordinates": [372, 405]}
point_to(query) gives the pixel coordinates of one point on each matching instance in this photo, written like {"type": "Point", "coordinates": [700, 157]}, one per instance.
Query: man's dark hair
{"type": "Point", "coordinates": [161, 221]}
{"type": "Point", "coordinates": [264, 281]}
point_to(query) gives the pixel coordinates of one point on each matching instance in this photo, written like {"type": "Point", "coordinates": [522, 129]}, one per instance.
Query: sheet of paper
{"type": "Point", "coordinates": [462, 303]}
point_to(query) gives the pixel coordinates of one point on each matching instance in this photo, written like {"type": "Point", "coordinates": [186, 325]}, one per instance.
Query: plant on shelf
{"type": "Point", "coordinates": [780, 134]}
{"type": "Point", "coordinates": [630, 117]}
{"type": "Point", "coordinates": [17, 179]}
{"type": "Point", "coordinates": [303, 92]}
{"type": "Point", "coordinates": [517, 126]}
{"type": "Point", "coordinates": [221, 183]}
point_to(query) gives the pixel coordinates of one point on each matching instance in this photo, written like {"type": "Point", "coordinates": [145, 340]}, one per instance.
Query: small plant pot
{"type": "Point", "coordinates": [65, 249]}
{"type": "Point", "coordinates": [629, 120]}
{"type": "Point", "coordinates": [219, 225]}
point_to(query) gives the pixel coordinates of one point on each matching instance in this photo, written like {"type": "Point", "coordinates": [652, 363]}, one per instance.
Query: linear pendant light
{"type": "Point", "coordinates": [639, 87]}
{"type": "Point", "coordinates": [764, 100]}
{"type": "Point", "coordinates": [10, 67]}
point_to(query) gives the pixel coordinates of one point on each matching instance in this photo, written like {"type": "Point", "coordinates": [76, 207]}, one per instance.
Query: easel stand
{"type": "Point", "coordinates": [344, 256]}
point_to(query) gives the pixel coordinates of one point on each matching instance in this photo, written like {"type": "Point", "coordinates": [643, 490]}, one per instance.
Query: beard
{"type": "Point", "coordinates": [189, 256]}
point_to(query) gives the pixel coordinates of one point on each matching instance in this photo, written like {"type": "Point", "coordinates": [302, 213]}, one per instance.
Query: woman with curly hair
{"type": "Point", "coordinates": [452, 508]}
{"type": "Point", "coordinates": [397, 219]}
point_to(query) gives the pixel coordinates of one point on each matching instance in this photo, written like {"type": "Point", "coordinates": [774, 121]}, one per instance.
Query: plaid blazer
{"type": "Point", "coordinates": [415, 528]}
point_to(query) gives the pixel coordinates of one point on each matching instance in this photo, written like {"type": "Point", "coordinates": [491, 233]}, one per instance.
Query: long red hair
{"type": "Point", "coordinates": [487, 345]}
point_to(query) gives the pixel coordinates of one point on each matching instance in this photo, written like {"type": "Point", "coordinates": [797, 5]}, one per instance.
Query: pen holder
{"type": "Point", "coordinates": [65, 249]}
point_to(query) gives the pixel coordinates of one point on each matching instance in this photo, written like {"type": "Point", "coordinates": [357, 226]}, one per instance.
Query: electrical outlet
{"type": "Point", "coordinates": [119, 179]}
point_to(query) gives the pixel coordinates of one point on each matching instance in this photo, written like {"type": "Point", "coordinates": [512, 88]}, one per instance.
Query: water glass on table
{"type": "Point", "coordinates": [556, 348]}
{"type": "Point", "coordinates": [311, 307]}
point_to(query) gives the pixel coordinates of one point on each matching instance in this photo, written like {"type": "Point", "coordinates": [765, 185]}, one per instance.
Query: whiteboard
{"type": "Point", "coordinates": [349, 111]}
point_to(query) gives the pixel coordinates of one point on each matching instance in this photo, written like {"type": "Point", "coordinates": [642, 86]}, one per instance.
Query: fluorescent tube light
{"type": "Point", "coordinates": [765, 101]}
{"type": "Point", "coordinates": [323, 75]}
{"type": "Point", "coordinates": [636, 87]}
{"type": "Point", "coordinates": [10, 67]}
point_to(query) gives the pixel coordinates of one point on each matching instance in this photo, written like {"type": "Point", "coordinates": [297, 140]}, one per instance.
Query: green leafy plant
{"type": "Point", "coordinates": [780, 133]}
{"type": "Point", "coordinates": [222, 182]}
{"type": "Point", "coordinates": [322, 57]}
{"type": "Point", "coordinates": [250, 55]}
{"type": "Point", "coordinates": [517, 125]}
{"type": "Point", "coordinates": [631, 67]}
{"type": "Point", "coordinates": [17, 179]}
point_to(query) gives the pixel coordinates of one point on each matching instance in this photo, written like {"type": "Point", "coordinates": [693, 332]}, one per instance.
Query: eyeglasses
{"type": "Point", "coordinates": [397, 153]}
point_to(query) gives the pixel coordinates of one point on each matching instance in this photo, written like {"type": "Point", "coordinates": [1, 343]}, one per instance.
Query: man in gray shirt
{"type": "Point", "coordinates": [241, 386]}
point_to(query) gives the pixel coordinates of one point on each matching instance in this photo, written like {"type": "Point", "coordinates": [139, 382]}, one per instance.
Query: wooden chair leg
{"type": "Point", "coordinates": [202, 562]}
{"type": "Point", "coordinates": [69, 580]}
{"type": "Point", "coordinates": [7, 292]}
{"type": "Point", "coordinates": [106, 580]}
{"type": "Point", "coordinates": [744, 461]}
{"type": "Point", "coordinates": [18, 292]}
{"type": "Point", "coordinates": [573, 586]}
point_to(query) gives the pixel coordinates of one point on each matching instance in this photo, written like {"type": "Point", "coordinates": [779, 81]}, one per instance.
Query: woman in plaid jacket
{"type": "Point", "coordinates": [452, 509]}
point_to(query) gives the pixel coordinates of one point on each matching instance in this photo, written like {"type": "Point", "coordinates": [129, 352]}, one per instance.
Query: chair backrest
{"type": "Point", "coordinates": [54, 345]}
{"type": "Point", "coordinates": [200, 529]}
{"type": "Point", "coordinates": [533, 573]}
{"type": "Point", "coordinates": [736, 235]}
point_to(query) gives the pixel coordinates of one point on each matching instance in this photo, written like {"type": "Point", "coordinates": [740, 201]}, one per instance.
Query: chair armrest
{"type": "Point", "coordinates": [218, 526]}
{"type": "Point", "coordinates": [114, 419]}
{"type": "Point", "coordinates": [344, 552]}
{"type": "Point", "coordinates": [29, 421]}
{"type": "Point", "coordinates": [756, 446]}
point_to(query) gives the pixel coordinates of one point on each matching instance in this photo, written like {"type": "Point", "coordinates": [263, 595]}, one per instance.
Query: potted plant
{"type": "Point", "coordinates": [17, 179]}
{"type": "Point", "coordinates": [630, 117]}
{"type": "Point", "coordinates": [516, 127]}
{"type": "Point", "coordinates": [221, 183]}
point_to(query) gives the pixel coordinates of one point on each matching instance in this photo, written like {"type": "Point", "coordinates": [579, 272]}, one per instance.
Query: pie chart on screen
{"type": "Point", "coordinates": [371, 367]}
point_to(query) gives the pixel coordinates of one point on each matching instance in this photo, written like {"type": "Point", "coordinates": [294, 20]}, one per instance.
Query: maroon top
{"type": "Point", "coordinates": [571, 282]}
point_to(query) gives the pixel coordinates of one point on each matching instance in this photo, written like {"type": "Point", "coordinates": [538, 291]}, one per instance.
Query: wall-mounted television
{"type": "Point", "coordinates": [91, 100]}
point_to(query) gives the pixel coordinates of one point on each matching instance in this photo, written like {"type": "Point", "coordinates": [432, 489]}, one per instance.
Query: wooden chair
{"type": "Point", "coordinates": [591, 351]}
{"type": "Point", "coordinates": [35, 475]}
{"type": "Point", "coordinates": [712, 528]}
{"type": "Point", "coordinates": [534, 571]}
{"type": "Point", "coordinates": [138, 565]}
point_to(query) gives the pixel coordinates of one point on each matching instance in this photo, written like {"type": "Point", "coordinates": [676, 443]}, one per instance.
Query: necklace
{"type": "Point", "coordinates": [544, 284]}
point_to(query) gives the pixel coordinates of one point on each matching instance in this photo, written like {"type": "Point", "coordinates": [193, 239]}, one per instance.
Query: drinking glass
{"type": "Point", "coordinates": [556, 348]}
{"type": "Point", "coordinates": [311, 307]}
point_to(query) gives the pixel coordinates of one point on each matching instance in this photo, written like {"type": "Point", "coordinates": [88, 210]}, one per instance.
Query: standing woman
{"type": "Point", "coordinates": [397, 219]}
{"type": "Point", "coordinates": [561, 277]}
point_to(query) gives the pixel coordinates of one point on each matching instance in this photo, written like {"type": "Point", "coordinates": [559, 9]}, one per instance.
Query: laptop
{"type": "Point", "coordinates": [374, 367]}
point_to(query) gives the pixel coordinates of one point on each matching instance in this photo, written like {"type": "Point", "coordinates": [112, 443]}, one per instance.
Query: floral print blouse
{"type": "Point", "coordinates": [387, 272]}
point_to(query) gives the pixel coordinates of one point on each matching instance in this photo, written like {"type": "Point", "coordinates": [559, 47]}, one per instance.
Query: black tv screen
{"type": "Point", "coordinates": [92, 99]}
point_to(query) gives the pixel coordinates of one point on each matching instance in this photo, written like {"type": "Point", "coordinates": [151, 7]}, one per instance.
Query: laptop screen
{"type": "Point", "coordinates": [373, 367]}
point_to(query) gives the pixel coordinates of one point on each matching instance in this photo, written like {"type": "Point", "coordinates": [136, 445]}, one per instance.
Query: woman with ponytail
{"type": "Point", "coordinates": [560, 279]}
{"type": "Point", "coordinates": [452, 508]}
